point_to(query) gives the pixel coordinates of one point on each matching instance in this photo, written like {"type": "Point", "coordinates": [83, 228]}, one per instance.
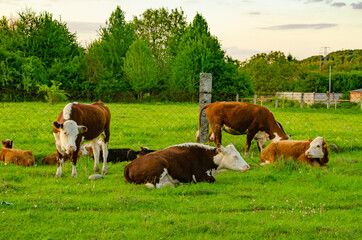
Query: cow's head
{"type": "Point", "coordinates": [229, 159]}
{"type": "Point", "coordinates": [315, 149]}
{"type": "Point", "coordinates": [67, 135]}
{"type": "Point", "coordinates": [7, 143]}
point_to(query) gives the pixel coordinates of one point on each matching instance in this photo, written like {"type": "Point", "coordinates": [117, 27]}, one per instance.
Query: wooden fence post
{"type": "Point", "coordinates": [237, 97]}
{"type": "Point", "coordinates": [301, 100]}
{"type": "Point", "coordinates": [255, 98]}
{"type": "Point", "coordinates": [204, 98]}
{"type": "Point", "coordinates": [360, 99]}
{"type": "Point", "coordinates": [276, 103]}
{"type": "Point", "coordinates": [328, 100]}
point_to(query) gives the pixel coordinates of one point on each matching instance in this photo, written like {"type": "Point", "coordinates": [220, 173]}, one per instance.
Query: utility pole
{"type": "Point", "coordinates": [325, 52]}
{"type": "Point", "coordinates": [330, 78]}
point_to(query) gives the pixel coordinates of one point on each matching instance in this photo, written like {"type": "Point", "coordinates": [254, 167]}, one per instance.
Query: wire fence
{"type": "Point", "coordinates": [157, 124]}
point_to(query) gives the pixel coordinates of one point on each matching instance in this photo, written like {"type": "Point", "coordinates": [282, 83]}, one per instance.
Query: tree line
{"type": "Point", "coordinates": [157, 52]}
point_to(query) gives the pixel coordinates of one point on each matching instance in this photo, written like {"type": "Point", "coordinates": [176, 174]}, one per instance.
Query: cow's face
{"type": "Point", "coordinates": [66, 137]}
{"type": "Point", "coordinates": [231, 159]}
{"type": "Point", "coordinates": [7, 143]}
{"type": "Point", "coordinates": [316, 148]}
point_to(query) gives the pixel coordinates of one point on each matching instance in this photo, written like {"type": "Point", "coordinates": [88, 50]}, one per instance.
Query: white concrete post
{"type": "Point", "coordinates": [204, 98]}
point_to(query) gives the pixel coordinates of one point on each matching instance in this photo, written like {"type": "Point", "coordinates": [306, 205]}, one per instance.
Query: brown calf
{"type": "Point", "coordinates": [16, 156]}
{"type": "Point", "coordinates": [312, 152]}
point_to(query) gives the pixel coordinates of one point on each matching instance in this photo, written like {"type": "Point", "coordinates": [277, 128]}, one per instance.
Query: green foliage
{"type": "Point", "coordinates": [139, 68]}
{"type": "Point", "coordinates": [318, 105]}
{"type": "Point", "coordinates": [53, 93]}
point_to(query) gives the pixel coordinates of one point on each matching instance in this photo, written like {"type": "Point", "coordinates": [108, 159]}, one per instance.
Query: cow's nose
{"type": "Point", "coordinates": [71, 149]}
{"type": "Point", "coordinates": [247, 166]}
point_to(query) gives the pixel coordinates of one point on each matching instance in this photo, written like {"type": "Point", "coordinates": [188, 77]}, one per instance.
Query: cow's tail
{"type": "Point", "coordinates": [198, 131]}
{"type": "Point", "coordinates": [126, 174]}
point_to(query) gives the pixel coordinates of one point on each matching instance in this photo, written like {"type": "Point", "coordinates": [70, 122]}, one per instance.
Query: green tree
{"type": "Point", "coordinates": [139, 68]}
{"type": "Point", "coordinates": [105, 56]}
{"type": "Point", "coordinates": [161, 30]}
{"type": "Point", "coordinates": [198, 51]}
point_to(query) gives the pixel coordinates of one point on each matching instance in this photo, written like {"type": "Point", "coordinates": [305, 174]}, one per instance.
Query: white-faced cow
{"type": "Point", "coordinates": [15, 156]}
{"type": "Point", "coordinates": [239, 118]}
{"type": "Point", "coordinates": [312, 152]}
{"type": "Point", "coordinates": [78, 122]}
{"type": "Point", "coordinates": [189, 162]}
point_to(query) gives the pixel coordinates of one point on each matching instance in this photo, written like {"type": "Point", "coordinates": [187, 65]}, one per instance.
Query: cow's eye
{"type": "Point", "coordinates": [318, 146]}
{"type": "Point", "coordinates": [65, 133]}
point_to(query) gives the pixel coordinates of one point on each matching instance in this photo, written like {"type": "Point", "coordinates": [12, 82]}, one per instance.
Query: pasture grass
{"type": "Point", "coordinates": [283, 201]}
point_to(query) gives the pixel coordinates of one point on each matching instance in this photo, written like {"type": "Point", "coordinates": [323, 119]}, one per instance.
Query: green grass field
{"type": "Point", "coordinates": [282, 201]}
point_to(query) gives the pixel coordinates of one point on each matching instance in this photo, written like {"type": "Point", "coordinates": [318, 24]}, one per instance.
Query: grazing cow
{"type": "Point", "coordinates": [16, 156]}
{"type": "Point", "coordinates": [144, 151]}
{"type": "Point", "coordinates": [312, 152]}
{"type": "Point", "coordinates": [189, 162]}
{"type": "Point", "coordinates": [239, 118]}
{"type": "Point", "coordinates": [78, 122]}
{"type": "Point", "coordinates": [121, 155]}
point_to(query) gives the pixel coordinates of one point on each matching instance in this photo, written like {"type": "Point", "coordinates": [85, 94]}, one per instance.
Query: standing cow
{"type": "Point", "coordinates": [239, 118]}
{"type": "Point", "coordinates": [79, 122]}
{"type": "Point", "coordinates": [189, 162]}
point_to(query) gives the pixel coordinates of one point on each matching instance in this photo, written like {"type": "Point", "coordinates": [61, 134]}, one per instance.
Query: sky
{"type": "Point", "coordinates": [244, 28]}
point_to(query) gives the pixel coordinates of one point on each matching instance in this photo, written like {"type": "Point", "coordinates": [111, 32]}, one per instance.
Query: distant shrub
{"type": "Point", "coordinates": [53, 93]}
{"type": "Point", "coordinates": [318, 105]}
{"type": "Point", "coordinates": [348, 105]}
{"type": "Point", "coordinates": [292, 104]}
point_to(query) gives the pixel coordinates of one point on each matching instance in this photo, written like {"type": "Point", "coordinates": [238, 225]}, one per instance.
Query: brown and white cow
{"type": "Point", "coordinates": [312, 152]}
{"type": "Point", "coordinates": [239, 118]}
{"type": "Point", "coordinates": [189, 162]}
{"type": "Point", "coordinates": [78, 122]}
{"type": "Point", "coordinates": [16, 156]}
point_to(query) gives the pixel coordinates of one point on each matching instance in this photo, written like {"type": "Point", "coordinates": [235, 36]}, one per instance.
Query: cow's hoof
{"type": "Point", "coordinates": [104, 171]}
{"type": "Point", "coordinates": [58, 176]}
{"type": "Point", "coordinates": [74, 175]}
{"type": "Point", "coordinates": [96, 169]}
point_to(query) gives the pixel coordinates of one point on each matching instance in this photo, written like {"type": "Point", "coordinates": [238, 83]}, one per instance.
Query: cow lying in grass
{"type": "Point", "coordinates": [189, 162]}
{"type": "Point", "coordinates": [312, 152]}
{"type": "Point", "coordinates": [85, 149]}
{"type": "Point", "coordinates": [16, 156]}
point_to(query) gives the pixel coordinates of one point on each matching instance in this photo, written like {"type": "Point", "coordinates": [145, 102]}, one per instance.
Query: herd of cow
{"type": "Point", "coordinates": [188, 162]}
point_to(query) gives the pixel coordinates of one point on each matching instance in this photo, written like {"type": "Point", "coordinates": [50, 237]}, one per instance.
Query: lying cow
{"type": "Point", "coordinates": [239, 118]}
{"type": "Point", "coordinates": [16, 156]}
{"type": "Point", "coordinates": [312, 152]}
{"type": "Point", "coordinates": [82, 122]}
{"type": "Point", "coordinates": [144, 151]}
{"type": "Point", "coordinates": [121, 155]}
{"type": "Point", "coordinates": [189, 162]}
{"type": "Point", "coordinates": [85, 149]}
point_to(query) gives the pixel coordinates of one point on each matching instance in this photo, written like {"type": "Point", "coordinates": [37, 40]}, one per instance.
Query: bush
{"type": "Point", "coordinates": [53, 93]}
{"type": "Point", "coordinates": [348, 105]}
{"type": "Point", "coordinates": [318, 105]}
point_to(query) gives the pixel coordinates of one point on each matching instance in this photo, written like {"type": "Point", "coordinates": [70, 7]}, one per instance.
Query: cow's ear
{"type": "Point", "coordinates": [82, 129]}
{"type": "Point", "coordinates": [57, 124]}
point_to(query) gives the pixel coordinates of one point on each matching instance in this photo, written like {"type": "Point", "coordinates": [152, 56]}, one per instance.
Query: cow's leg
{"type": "Point", "coordinates": [60, 162]}
{"type": "Point", "coordinates": [217, 134]}
{"type": "Point", "coordinates": [105, 156]}
{"type": "Point", "coordinates": [95, 147]}
{"type": "Point", "coordinates": [203, 178]}
{"type": "Point", "coordinates": [260, 146]}
{"type": "Point", "coordinates": [105, 142]}
{"type": "Point", "coordinates": [74, 162]}
{"type": "Point", "coordinates": [249, 137]}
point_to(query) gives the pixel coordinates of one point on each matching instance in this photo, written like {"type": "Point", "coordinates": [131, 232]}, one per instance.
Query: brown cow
{"type": "Point", "coordinates": [189, 162]}
{"type": "Point", "coordinates": [78, 122]}
{"type": "Point", "coordinates": [312, 152]}
{"type": "Point", "coordinates": [239, 118]}
{"type": "Point", "coordinates": [16, 156]}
